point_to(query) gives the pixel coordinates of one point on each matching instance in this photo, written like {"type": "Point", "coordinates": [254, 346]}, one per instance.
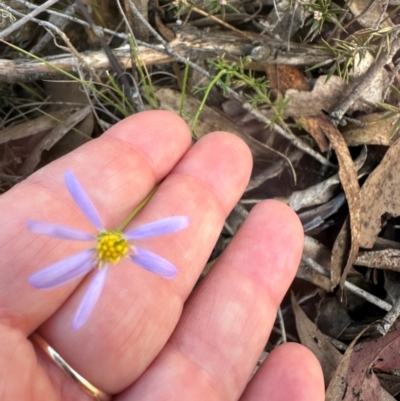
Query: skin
{"type": "Point", "coordinates": [150, 338]}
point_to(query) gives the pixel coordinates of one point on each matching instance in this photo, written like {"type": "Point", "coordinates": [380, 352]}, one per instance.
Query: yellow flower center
{"type": "Point", "coordinates": [111, 247]}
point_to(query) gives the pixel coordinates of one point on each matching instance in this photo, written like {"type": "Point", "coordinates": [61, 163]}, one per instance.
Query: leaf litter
{"type": "Point", "coordinates": [311, 87]}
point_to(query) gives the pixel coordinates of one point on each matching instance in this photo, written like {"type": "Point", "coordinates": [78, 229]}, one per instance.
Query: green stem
{"type": "Point", "coordinates": [206, 94]}
{"type": "Point", "coordinates": [138, 209]}
{"type": "Point", "coordinates": [184, 84]}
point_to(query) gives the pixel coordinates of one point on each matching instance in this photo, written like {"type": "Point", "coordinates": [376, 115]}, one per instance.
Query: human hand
{"type": "Point", "coordinates": [144, 339]}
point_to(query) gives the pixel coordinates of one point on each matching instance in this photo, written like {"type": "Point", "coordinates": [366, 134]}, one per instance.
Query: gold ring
{"type": "Point", "coordinates": [93, 391]}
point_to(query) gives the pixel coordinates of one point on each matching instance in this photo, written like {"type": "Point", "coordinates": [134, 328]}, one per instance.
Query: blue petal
{"type": "Point", "coordinates": [82, 200]}
{"type": "Point", "coordinates": [58, 231]}
{"type": "Point", "coordinates": [154, 263]}
{"type": "Point", "coordinates": [63, 271]}
{"type": "Point", "coordinates": [90, 298]}
{"type": "Point", "coordinates": [160, 227]}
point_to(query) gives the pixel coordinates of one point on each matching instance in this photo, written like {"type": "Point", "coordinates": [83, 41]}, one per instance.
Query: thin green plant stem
{"type": "Point", "coordinates": [205, 97]}
{"type": "Point", "coordinates": [148, 87]}
{"type": "Point", "coordinates": [138, 209]}
{"type": "Point", "coordinates": [184, 85]}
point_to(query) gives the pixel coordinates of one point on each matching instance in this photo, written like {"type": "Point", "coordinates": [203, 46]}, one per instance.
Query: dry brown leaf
{"type": "Point", "coordinates": [284, 77]}
{"type": "Point", "coordinates": [380, 353]}
{"type": "Point", "coordinates": [340, 253]}
{"type": "Point", "coordinates": [328, 356]}
{"type": "Point", "coordinates": [312, 126]}
{"type": "Point", "coordinates": [34, 126]}
{"type": "Point", "coordinates": [338, 385]}
{"type": "Point", "coordinates": [380, 194]}
{"type": "Point", "coordinates": [326, 95]}
{"type": "Point", "coordinates": [349, 180]}
{"type": "Point", "coordinates": [51, 138]}
{"type": "Point", "coordinates": [375, 131]}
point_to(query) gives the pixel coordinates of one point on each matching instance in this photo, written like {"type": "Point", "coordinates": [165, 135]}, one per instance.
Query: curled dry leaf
{"type": "Point", "coordinates": [379, 354]}
{"type": "Point", "coordinates": [348, 178]}
{"type": "Point", "coordinates": [380, 195]}
{"type": "Point", "coordinates": [323, 191]}
{"type": "Point", "coordinates": [328, 94]}
{"type": "Point", "coordinates": [338, 386]}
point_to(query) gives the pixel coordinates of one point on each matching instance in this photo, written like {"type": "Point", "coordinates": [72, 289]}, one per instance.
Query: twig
{"type": "Point", "coordinates": [132, 93]}
{"type": "Point", "coordinates": [26, 18]}
{"type": "Point", "coordinates": [75, 19]}
{"type": "Point", "coordinates": [60, 22]}
{"type": "Point", "coordinates": [223, 23]}
{"type": "Point", "coordinates": [351, 287]}
{"type": "Point", "coordinates": [387, 322]}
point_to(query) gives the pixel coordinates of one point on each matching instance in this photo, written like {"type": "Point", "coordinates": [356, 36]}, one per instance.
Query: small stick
{"type": "Point", "coordinates": [351, 287]}
{"type": "Point", "coordinates": [387, 322]}
{"type": "Point", "coordinates": [4, 33]}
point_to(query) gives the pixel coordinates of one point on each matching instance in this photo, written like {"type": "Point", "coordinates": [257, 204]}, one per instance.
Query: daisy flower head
{"type": "Point", "coordinates": [110, 247]}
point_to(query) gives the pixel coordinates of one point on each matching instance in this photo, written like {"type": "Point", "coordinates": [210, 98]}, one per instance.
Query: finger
{"type": "Point", "coordinates": [138, 310]}
{"type": "Point", "coordinates": [227, 321]}
{"type": "Point", "coordinates": [118, 170]}
{"type": "Point", "coordinates": [290, 372]}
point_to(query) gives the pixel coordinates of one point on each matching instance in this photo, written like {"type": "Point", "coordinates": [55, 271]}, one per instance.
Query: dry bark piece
{"type": "Point", "coordinates": [188, 44]}
{"type": "Point", "coordinates": [380, 195]}
{"type": "Point", "coordinates": [384, 259]}
{"type": "Point", "coordinates": [375, 131]}
{"type": "Point", "coordinates": [328, 356]}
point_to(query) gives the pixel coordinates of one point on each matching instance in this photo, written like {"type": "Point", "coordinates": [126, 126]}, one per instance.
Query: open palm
{"type": "Point", "coordinates": [146, 338]}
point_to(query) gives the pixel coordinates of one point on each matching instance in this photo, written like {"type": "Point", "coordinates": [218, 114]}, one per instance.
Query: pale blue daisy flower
{"type": "Point", "coordinates": [109, 248]}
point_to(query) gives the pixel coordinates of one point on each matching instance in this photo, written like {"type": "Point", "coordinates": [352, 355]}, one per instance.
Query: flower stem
{"type": "Point", "coordinates": [138, 208]}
